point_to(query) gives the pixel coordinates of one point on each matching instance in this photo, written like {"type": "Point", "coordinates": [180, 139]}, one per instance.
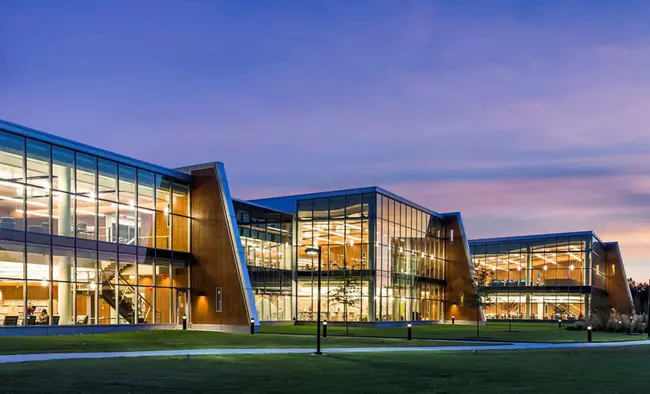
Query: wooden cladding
{"type": "Point", "coordinates": [216, 264]}
{"type": "Point", "coordinates": [616, 283]}
{"type": "Point", "coordinates": [458, 276]}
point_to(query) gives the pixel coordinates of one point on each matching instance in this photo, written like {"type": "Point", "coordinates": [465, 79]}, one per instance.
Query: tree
{"type": "Point", "coordinates": [510, 307]}
{"type": "Point", "coordinates": [479, 298]}
{"type": "Point", "coordinates": [601, 310]}
{"type": "Point", "coordinates": [639, 292]}
{"type": "Point", "coordinates": [347, 294]}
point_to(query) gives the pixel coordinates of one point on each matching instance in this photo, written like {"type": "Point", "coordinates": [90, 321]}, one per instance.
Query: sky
{"type": "Point", "coordinates": [526, 116]}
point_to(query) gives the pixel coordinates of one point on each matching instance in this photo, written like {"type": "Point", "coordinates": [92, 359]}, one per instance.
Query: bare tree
{"type": "Point", "coordinates": [479, 298]}
{"type": "Point", "coordinates": [510, 307]}
{"type": "Point", "coordinates": [348, 295]}
{"type": "Point", "coordinates": [602, 310]}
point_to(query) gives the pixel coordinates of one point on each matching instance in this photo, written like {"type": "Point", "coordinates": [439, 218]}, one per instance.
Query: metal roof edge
{"type": "Point", "coordinates": [28, 132]}
{"type": "Point", "coordinates": [536, 236]}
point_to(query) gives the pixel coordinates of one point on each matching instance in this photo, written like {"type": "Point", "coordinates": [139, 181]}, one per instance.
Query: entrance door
{"type": "Point", "coordinates": [181, 305]}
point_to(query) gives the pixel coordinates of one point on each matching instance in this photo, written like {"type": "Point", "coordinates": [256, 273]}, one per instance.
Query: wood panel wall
{"type": "Point", "coordinates": [458, 275]}
{"type": "Point", "coordinates": [616, 282]}
{"type": "Point", "coordinates": [216, 263]}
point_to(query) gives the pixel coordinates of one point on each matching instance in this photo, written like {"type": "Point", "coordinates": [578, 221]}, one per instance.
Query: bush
{"type": "Point", "coordinates": [576, 327]}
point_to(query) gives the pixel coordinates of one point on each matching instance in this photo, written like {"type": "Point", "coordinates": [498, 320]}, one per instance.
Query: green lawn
{"type": "Point", "coordinates": [157, 340]}
{"type": "Point", "coordinates": [605, 370]}
{"type": "Point", "coordinates": [521, 332]}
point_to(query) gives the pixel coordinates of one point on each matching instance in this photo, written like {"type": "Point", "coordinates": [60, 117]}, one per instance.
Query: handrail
{"type": "Point", "coordinates": [148, 307]}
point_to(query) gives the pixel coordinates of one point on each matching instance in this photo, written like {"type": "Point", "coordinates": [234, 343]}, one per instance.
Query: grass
{"type": "Point", "coordinates": [159, 340]}
{"type": "Point", "coordinates": [596, 370]}
{"type": "Point", "coordinates": [496, 331]}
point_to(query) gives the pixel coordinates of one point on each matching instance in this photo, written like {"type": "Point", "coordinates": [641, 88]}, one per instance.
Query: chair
{"type": "Point", "coordinates": [36, 229]}
{"type": "Point", "coordinates": [82, 228]}
{"type": "Point", "coordinates": [8, 223]}
{"type": "Point", "coordinates": [82, 319]}
{"type": "Point", "coordinates": [10, 321]}
{"type": "Point", "coordinates": [55, 320]}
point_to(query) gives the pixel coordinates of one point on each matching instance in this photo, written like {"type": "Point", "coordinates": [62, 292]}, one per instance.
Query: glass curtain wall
{"type": "Point", "coordinates": [538, 279]}
{"type": "Point", "coordinates": [411, 255]}
{"type": "Point", "coordinates": [266, 239]}
{"type": "Point", "coordinates": [383, 260]}
{"type": "Point", "coordinates": [73, 209]}
{"type": "Point", "coordinates": [341, 228]}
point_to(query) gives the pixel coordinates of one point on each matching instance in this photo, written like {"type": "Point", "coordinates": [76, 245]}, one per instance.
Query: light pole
{"type": "Point", "coordinates": [316, 251]}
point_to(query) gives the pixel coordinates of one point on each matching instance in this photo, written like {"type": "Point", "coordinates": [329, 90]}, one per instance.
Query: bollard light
{"type": "Point", "coordinates": [453, 319]}
{"type": "Point", "coordinates": [252, 325]}
{"type": "Point", "coordinates": [410, 329]}
{"type": "Point", "coordinates": [324, 328]}
{"type": "Point", "coordinates": [559, 323]}
{"type": "Point", "coordinates": [588, 333]}
{"type": "Point", "coordinates": [184, 322]}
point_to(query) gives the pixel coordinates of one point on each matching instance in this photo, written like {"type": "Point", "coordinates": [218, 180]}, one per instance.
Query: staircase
{"type": "Point", "coordinates": [128, 299]}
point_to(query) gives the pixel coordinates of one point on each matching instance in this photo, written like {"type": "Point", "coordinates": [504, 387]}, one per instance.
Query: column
{"type": "Point", "coordinates": [372, 268]}
{"type": "Point", "coordinates": [63, 264]}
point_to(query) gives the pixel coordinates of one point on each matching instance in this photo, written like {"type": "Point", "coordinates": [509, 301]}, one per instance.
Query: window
{"type": "Point", "coordinates": [38, 164]}
{"type": "Point", "coordinates": [12, 151]}
{"type": "Point", "coordinates": [146, 189]}
{"type": "Point", "coordinates": [107, 181]}
{"type": "Point", "coordinates": [127, 185]}
{"type": "Point", "coordinates": [107, 221]}
{"type": "Point", "coordinates": [86, 199]}
{"type": "Point", "coordinates": [63, 170]}
{"type": "Point", "coordinates": [38, 210]}
{"type": "Point", "coordinates": [181, 231]}
{"type": "Point", "coordinates": [163, 194]}
{"type": "Point", "coordinates": [181, 203]}
{"type": "Point", "coordinates": [146, 228]}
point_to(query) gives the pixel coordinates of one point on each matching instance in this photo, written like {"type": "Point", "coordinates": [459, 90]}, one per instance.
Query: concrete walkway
{"type": "Point", "coordinates": [18, 358]}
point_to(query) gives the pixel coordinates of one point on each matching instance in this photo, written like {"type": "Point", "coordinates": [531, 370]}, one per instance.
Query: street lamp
{"type": "Point", "coordinates": [316, 251]}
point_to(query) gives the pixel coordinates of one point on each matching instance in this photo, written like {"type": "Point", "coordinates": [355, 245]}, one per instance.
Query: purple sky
{"type": "Point", "coordinates": [526, 116]}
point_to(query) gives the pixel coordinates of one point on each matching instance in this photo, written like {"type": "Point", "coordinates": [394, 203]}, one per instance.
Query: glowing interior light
{"type": "Point", "coordinates": [43, 282]}
{"type": "Point", "coordinates": [545, 268]}
{"type": "Point", "coordinates": [571, 267]}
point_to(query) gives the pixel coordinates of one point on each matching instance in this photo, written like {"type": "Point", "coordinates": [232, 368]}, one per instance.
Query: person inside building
{"type": "Point", "coordinates": [43, 318]}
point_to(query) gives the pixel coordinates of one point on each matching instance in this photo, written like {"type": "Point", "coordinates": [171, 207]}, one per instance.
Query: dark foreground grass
{"type": "Point", "coordinates": [604, 370]}
{"type": "Point", "coordinates": [496, 331]}
{"type": "Point", "coordinates": [159, 340]}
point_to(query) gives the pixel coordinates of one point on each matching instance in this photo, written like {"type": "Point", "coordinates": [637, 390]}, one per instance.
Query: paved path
{"type": "Point", "coordinates": [212, 352]}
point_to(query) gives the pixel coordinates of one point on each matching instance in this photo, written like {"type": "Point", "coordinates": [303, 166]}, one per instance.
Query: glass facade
{"type": "Point", "coordinates": [86, 239]}
{"type": "Point", "coordinates": [266, 238]}
{"type": "Point", "coordinates": [542, 278]}
{"type": "Point", "coordinates": [382, 259]}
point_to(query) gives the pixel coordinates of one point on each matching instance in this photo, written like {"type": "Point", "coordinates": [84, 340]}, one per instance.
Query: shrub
{"type": "Point", "coordinates": [576, 327]}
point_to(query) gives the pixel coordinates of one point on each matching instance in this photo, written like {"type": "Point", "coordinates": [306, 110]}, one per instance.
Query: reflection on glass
{"type": "Point", "coordinates": [38, 164]}
{"type": "Point", "coordinates": [181, 203]}
{"type": "Point", "coordinates": [127, 185]}
{"type": "Point", "coordinates": [107, 221]}
{"type": "Point", "coordinates": [63, 170]}
{"type": "Point", "coordinates": [107, 181]}
{"type": "Point", "coordinates": [146, 189]}
{"type": "Point", "coordinates": [38, 210]}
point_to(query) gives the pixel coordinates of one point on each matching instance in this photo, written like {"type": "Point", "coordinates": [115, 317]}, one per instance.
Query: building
{"type": "Point", "coordinates": [383, 258]}
{"type": "Point", "coordinates": [93, 240]}
{"type": "Point", "coordinates": [551, 276]}
{"type": "Point", "coordinates": [89, 237]}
